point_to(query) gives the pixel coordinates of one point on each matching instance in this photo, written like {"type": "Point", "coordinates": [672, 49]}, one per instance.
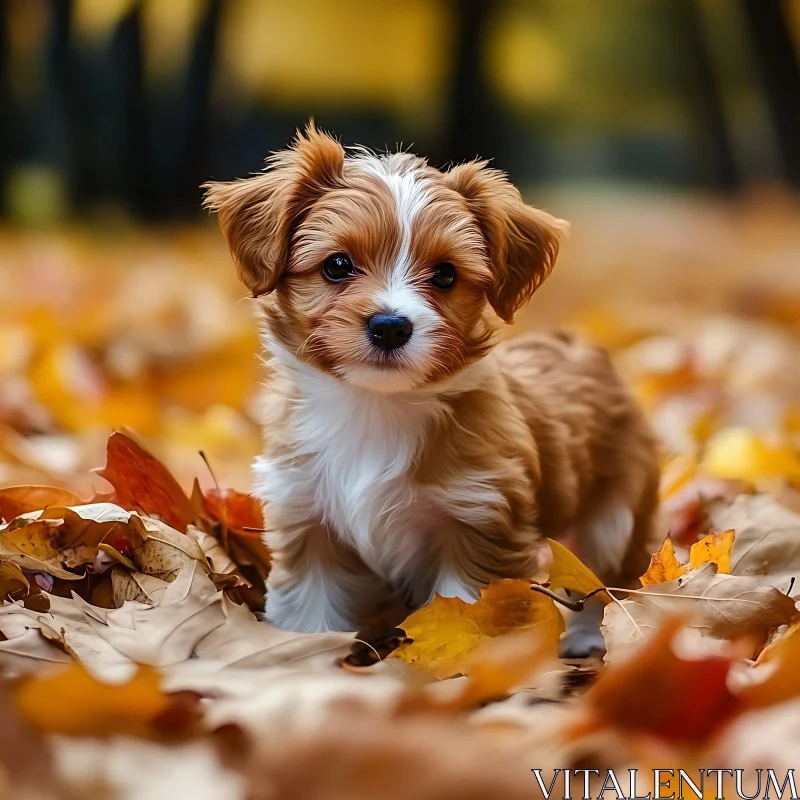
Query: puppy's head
{"type": "Point", "coordinates": [383, 270]}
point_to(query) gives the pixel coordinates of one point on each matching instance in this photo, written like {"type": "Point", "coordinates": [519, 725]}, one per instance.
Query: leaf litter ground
{"type": "Point", "coordinates": [129, 629]}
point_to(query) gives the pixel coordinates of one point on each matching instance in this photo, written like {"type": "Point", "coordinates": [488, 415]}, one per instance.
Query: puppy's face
{"type": "Point", "coordinates": [381, 270]}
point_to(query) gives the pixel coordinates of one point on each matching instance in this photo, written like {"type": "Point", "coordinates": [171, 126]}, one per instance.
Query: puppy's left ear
{"type": "Point", "coordinates": [522, 241]}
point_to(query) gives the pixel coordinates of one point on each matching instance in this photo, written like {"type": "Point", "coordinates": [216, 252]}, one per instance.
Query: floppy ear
{"type": "Point", "coordinates": [258, 215]}
{"type": "Point", "coordinates": [523, 241]}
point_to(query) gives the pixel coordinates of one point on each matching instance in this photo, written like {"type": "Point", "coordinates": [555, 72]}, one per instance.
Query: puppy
{"type": "Point", "coordinates": [406, 454]}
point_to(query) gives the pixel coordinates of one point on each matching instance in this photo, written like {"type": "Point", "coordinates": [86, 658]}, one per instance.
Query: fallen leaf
{"type": "Point", "coordinates": [131, 585]}
{"type": "Point", "coordinates": [720, 606]}
{"type": "Point", "coordinates": [715, 549]}
{"type": "Point", "coordinates": [72, 702]}
{"type": "Point", "coordinates": [142, 483]}
{"type": "Point", "coordinates": [767, 536]}
{"type": "Point", "coordinates": [664, 566]}
{"type": "Point", "coordinates": [446, 630]}
{"type": "Point", "coordinates": [241, 521]}
{"type": "Point", "coordinates": [18, 500]}
{"type": "Point", "coordinates": [745, 454]}
{"type": "Point", "coordinates": [691, 702]}
{"type": "Point", "coordinates": [567, 571]}
{"type": "Point", "coordinates": [165, 552]}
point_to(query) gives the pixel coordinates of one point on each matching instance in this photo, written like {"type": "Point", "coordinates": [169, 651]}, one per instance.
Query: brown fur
{"type": "Point", "coordinates": [536, 438]}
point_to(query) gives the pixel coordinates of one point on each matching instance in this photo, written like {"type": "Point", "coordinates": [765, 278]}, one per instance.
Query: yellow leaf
{"type": "Point", "coordinates": [568, 572]}
{"type": "Point", "coordinates": [72, 702]}
{"type": "Point", "coordinates": [447, 630]}
{"type": "Point", "coordinates": [741, 453]}
{"type": "Point", "coordinates": [443, 637]}
{"type": "Point", "coordinates": [716, 548]}
{"type": "Point", "coordinates": [664, 566]}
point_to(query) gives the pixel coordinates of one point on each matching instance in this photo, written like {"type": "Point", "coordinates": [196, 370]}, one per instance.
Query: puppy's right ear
{"type": "Point", "coordinates": [258, 215]}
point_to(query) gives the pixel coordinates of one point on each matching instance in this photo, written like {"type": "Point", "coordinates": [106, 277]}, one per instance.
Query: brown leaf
{"type": "Point", "coordinates": [721, 606]}
{"type": "Point", "coordinates": [767, 536]}
{"type": "Point", "coordinates": [142, 483]}
{"type": "Point", "coordinates": [127, 585]}
{"type": "Point", "coordinates": [18, 500]}
{"type": "Point", "coordinates": [165, 552]}
{"type": "Point", "coordinates": [56, 539]}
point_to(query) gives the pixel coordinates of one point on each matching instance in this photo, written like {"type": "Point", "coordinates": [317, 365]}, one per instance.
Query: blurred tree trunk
{"type": "Point", "coordinates": [768, 24]}
{"type": "Point", "coordinates": [703, 94]}
{"type": "Point", "coordinates": [6, 121]}
{"type": "Point", "coordinates": [470, 125]}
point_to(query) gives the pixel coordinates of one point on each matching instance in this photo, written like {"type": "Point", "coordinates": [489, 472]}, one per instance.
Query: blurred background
{"type": "Point", "coordinates": [666, 131]}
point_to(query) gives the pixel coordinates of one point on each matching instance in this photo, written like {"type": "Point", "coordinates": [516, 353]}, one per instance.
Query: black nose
{"type": "Point", "coordinates": [388, 331]}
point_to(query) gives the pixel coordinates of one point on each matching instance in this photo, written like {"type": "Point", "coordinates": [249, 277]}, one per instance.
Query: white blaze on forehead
{"type": "Point", "coordinates": [403, 175]}
{"type": "Point", "coordinates": [410, 190]}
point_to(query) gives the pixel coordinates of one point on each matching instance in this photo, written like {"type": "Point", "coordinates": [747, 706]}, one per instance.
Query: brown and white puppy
{"type": "Point", "coordinates": [406, 454]}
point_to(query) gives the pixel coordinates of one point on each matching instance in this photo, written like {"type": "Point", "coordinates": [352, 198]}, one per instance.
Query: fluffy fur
{"type": "Point", "coordinates": [390, 475]}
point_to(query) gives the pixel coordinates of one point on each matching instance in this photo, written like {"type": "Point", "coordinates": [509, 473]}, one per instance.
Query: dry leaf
{"type": "Point", "coordinates": [446, 630]}
{"type": "Point", "coordinates": [18, 500]}
{"type": "Point", "coordinates": [692, 698]}
{"type": "Point", "coordinates": [241, 520]}
{"type": "Point", "coordinates": [72, 702]}
{"type": "Point", "coordinates": [721, 606]}
{"type": "Point", "coordinates": [715, 549]}
{"type": "Point", "coordinates": [664, 566]}
{"type": "Point", "coordinates": [567, 571]}
{"type": "Point", "coordinates": [127, 585]}
{"type": "Point", "coordinates": [767, 536]}
{"type": "Point", "coordinates": [142, 483]}
{"type": "Point", "coordinates": [165, 552]}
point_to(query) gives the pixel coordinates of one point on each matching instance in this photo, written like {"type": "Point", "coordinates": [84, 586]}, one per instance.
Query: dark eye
{"type": "Point", "coordinates": [337, 267]}
{"type": "Point", "coordinates": [444, 276]}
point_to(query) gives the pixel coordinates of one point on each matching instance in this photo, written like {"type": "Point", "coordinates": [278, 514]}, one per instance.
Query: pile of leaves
{"type": "Point", "coordinates": [127, 631]}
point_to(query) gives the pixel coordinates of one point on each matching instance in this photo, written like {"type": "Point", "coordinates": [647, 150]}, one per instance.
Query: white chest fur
{"type": "Point", "coordinates": [351, 467]}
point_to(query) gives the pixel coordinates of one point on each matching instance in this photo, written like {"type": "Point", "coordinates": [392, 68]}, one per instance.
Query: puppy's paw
{"type": "Point", "coordinates": [581, 642]}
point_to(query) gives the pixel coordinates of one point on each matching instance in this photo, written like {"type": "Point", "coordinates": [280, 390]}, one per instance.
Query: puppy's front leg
{"type": "Point", "coordinates": [316, 584]}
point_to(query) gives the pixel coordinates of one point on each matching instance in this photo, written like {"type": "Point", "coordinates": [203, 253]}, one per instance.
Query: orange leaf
{"type": "Point", "coordinates": [17, 500]}
{"type": "Point", "coordinates": [242, 519]}
{"type": "Point", "coordinates": [233, 509]}
{"type": "Point", "coordinates": [664, 566]}
{"type": "Point", "coordinates": [784, 682]}
{"type": "Point", "coordinates": [716, 548]}
{"type": "Point", "coordinates": [72, 702]}
{"type": "Point", "coordinates": [143, 483]}
{"type": "Point", "coordinates": [692, 700]}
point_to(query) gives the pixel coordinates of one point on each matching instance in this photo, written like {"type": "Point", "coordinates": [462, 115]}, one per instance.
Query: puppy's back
{"type": "Point", "coordinates": [596, 449]}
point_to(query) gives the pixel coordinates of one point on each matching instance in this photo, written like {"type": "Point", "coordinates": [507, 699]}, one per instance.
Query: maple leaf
{"type": "Point", "coordinates": [142, 483]}
{"type": "Point", "coordinates": [71, 701]}
{"type": "Point", "coordinates": [714, 549]}
{"type": "Point", "coordinates": [447, 630]}
{"type": "Point", "coordinates": [664, 566]}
